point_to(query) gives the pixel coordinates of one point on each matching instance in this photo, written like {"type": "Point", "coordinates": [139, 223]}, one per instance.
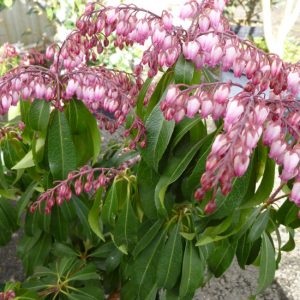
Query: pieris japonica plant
{"type": "Point", "coordinates": [192, 185]}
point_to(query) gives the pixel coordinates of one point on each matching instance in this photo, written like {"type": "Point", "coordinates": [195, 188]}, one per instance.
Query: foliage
{"type": "Point", "coordinates": [124, 218]}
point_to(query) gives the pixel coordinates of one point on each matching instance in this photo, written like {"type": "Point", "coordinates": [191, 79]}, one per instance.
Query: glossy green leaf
{"type": "Point", "coordinates": [259, 226]}
{"type": "Point", "coordinates": [169, 265]}
{"type": "Point", "coordinates": [159, 132]}
{"type": "Point", "coordinates": [243, 250]}
{"type": "Point", "coordinates": [147, 180]}
{"type": "Point", "coordinates": [87, 293]}
{"type": "Point", "coordinates": [60, 250]}
{"type": "Point", "coordinates": [267, 264]}
{"type": "Point", "coordinates": [8, 211]}
{"type": "Point", "coordinates": [103, 250]}
{"type": "Point", "coordinates": [222, 257]}
{"type": "Point", "coordinates": [184, 71]}
{"type": "Point", "coordinates": [160, 89]}
{"type": "Point", "coordinates": [86, 273]}
{"type": "Point", "coordinates": [13, 152]}
{"type": "Point", "coordinates": [141, 97]}
{"type": "Point", "coordinates": [113, 260]}
{"type": "Point", "coordinates": [175, 167]}
{"type": "Point", "coordinates": [147, 238]}
{"type": "Point", "coordinates": [182, 128]}
{"type": "Point", "coordinates": [86, 133]}
{"type": "Point", "coordinates": [290, 244]}
{"type": "Point", "coordinates": [110, 207]}
{"type": "Point", "coordinates": [192, 270]}
{"type": "Point", "coordinates": [59, 225]}
{"type": "Point", "coordinates": [226, 205]}
{"type": "Point", "coordinates": [287, 214]}
{"type": "Point", "coordinates": [39, 115]}
{"type": "Point", "coordinates": [266, 186]}
{"type": "Point", "coordinates": [25, 163]}
{"type": "Point", "coordinates": [94, 215]}
{"type": "Point", "coordinates": [61, 150]}
{"type": "Point", "coordinates": [145, 268]}
{"type": "Point", "coordinates": [125, 232]}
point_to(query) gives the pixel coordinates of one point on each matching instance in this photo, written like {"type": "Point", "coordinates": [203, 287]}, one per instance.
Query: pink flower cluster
{"type": "Point", "coordinates": [86, 180]}
{"type": "Point", "coordinates": [8, 295]}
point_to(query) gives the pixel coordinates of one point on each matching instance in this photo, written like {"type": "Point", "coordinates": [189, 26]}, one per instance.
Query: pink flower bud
{"type": "Point", "coordinates": [158, 37]}
{"type": "Point", "coordinates": [206, 108]}
{"type": "Point", "coordinates": [290, 161]}
{"type": "Point", "coordinates": [167, 20]}
{"type": "Point", "coordinates": [216, 54]}
{"type": "Point", "coordinates": [179, 115]}
{"type": "Point", "coordinates": [210, 207]}
{"type": "Point", "coordinates": [234, 111]}
{"type": "Point", "coordinates": [204, 24]}
{"type": "Point", "coordinates": [193, 107]}
{"type": "Point", "coordinates": [222, 93]}
{"type": "Point", "coordinates": [240, 164]}
{"type": "Point", "coordinates": [171, 95]}
{"type": "Point", "coordinates": [187, 11]}
{"type": "Point", "coordinates": [295, 194]}
{"type": "Point", "coordinates": [111, 16]}
{"type": "Point", "coordinates": [271, 133]}
{"type": "Point", "coordinates": [261, 113]}
{"type": "Point", "coordinates": [294, 82]}
{"type": "Point", "coordinates": [190, 50]}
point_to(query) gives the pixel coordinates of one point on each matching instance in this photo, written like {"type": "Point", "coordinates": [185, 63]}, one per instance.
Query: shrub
{"type": "Point", "coordinates": [189, 188]}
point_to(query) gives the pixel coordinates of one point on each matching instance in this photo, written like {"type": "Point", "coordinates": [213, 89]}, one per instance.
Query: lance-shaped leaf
{"type": "Point", "coordinates": [159, 132]}
{"type": "Point", "coordinates": [169, 265]}
{"type": "Point", "coordinates": [94, 218]}
{"type": "Point", "coordinates": [222, 257]}
{"type": "Point", "coordinates": [126, 226]}
{"type": "Point", "coordinates": [184, 71]}
{"type": "Point", "coordinates": [39, 115]}
{"type": "Point", "coordinates": [175, 167]}
{"type": "Point", "coordinates": [145, 267]}
{"type": "Point", "coordinates": [192, 270]}
{"type": "Point", "coordinates": [267, 264]}
{"type": "Point", "coordinates": [61, 150]}
{"type": "Point", "coordinates": [259, 226]}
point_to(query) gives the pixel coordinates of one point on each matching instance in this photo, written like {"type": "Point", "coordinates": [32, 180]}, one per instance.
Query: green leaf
{"type": "Point", "coordinates": [113, 260]}
{"type": "Point", "coordinates": [182, 128]}
{"type": "Point", "coordinates": [9, 212]}
{"type": "Point", "coordinates": [38, 254]}
{"type": "Point", "coordinates": [147, 180]}
{"type": "Point", "coordinates": [13, 152]}
{"type": "Point", "coordinates": [259, 226]}
{"type": "Point", "coordinates": [110, 207]}
{"type": "Point", "coordinates": [87, 293]}
{"type": "Point", "coordinates": [141, 97]}
{"type": "Point", "coordinates": [103, 250]}
{"type": "Point", "coordinates": [145, 267]}
{"type": "Point", "coordinates": [184, 71]}
{"type": "Point", "coordinates": [147, 238]}
{"type": "Point", "coordinates": [175, 167]}
{"type": "Point", "coordinates": [125, 232]}
{"type": "Point", "coordinates": [222, 257]}
{"type": "Point", "coordinates": [63, 250]}
{"type": "Point", "coordinates": [39, 115]}
{"type": "Point", "coordinates": [25, 163]}
{"type": "Point", "coordinates": [290, 244]}
{"type": "Point", "coordinates": [287, 214]}
{"type": "Point", "coordinates": [157, 95]}
{"type": "Point", "coordinates": [169, 265]}
{"type": "Point", "coordinates": [94, 215]}
{"type": "Point", "coordinates": [193, 180]}
{"type": "Point", "coordinates": [192, 270]}
{"type": "Point", "coordinates": [243, 250]}
{"type": "Point", "coordinates": [87, 273]}
{"type": "Point", "coordinates": [61, 150]}
{"type": "Point", "coordinates": [267, 264]}
{"type": "Point", "coordinates": [266, 186]}
{"type": "Point", "coordinates": [226, 205]}
{"type": "Point", "coordinates": [59, 225]}
{"type": "Point", "coordinates": [159, 132]}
